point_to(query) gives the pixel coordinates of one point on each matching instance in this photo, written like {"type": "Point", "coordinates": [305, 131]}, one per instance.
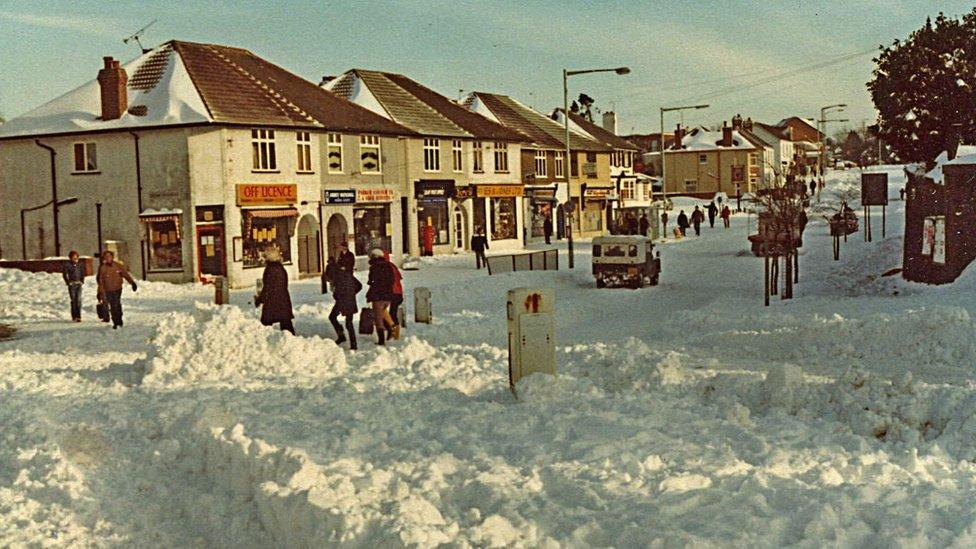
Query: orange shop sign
{"type": "Point", "coordinates": [252, 194]}
{"type": "Point", "coordinates": [498, 191]}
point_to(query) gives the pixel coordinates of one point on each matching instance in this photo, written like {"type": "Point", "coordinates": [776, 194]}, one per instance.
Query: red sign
{"type": "Point", "coordinates": [374, 195]}
{"type": "Point", "coordinates": [532, 302]}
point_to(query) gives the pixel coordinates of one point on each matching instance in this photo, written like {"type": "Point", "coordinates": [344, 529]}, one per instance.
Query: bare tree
{"type": "Point", "coordinates": [780, 203]}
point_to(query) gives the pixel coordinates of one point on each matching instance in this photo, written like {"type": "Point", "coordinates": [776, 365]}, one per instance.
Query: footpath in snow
{"type": "Point", "coordinates": [685, 413]}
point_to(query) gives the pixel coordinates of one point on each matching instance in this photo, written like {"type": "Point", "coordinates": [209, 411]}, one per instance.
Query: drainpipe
{"type": "Point", "coordinates": [142, 243]}
{"type": "Point", "coordinates": [54, 196]}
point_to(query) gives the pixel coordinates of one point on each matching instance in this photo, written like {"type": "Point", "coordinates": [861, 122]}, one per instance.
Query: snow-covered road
{"type": "Point", "coordinates": [685, 413]}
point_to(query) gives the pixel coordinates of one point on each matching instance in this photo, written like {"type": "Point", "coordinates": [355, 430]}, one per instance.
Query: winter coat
{"type": "Point", "coordinates": [397, 279]}
{"type": "Point", "coordinates": [712, 211]}
{"type": "Point", "coordinates": [111, 275]}
{"type": "Point", "coordinates": [347, 261]}
{"type": "Point", "coordinates": [683, 221]}
{"type": "Point", "coordinates": [479, 243]}
{"type": "Point", "coordinates": [697, 217]}
{"type": "Point", "coordinates": [547, 227]}
{"type": "Point", "coordinates": [73, 273]}
{"type": "Point", "coordinates": [380, 281]}
{"type": "Point", "coordinates": [274, 298]}
{"type": "Point", "coordinates": [344, 290]}
{"type": "Point", "coordinates": [726, 212]}
{"type": "Point", "coordinates": [644, 224]}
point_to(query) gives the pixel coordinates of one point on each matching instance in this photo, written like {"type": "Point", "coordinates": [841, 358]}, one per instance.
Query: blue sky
{"type": "Point", "coordinates": [677, 51]}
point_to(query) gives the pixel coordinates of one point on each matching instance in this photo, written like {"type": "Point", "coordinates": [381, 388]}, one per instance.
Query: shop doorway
{"type": "Point", "coordinates": [560, 222]}
{"type": "Point", "coordinates": [308, 246]}
{"type": "Point", "coordinates": [211, 259]}
{"type": "Point", "coordinates": [337, 232]}
{"type": "Point", "coordinates": [460, 228]}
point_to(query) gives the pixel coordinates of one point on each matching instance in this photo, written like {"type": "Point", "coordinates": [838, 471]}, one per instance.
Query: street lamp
{"type": "Point", "coordinates": [23, 225]}
{"type": "Point", "coordinates": [839, 107]}
{"type": "Point", "coordinates": [664, 187]}
{"type": "Point", "coordinates": [569, 164]}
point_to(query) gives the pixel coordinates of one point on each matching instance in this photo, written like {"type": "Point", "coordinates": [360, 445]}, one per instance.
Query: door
{"type": "Point", "coordinates": [460, 228]}
{"type": "Point", "coordinates": [308, 246]}
{"type": "Point", "coordinates": [336, 232]}
{"type": "Point", "coordinates": [560, 222]}
{"type": "Point", "coordinates": [211, 259]}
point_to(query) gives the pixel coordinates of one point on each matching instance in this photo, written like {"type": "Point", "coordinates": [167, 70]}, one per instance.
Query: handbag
{"type": "Point", "coordinates": [367, 322]}
{"type": "Point", "coordinates": [101, 309]}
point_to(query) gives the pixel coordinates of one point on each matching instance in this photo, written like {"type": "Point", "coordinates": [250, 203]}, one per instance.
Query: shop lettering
{"type": "Point", "coordinates": [267, 194]}
{"type": "Point", "coordinates": [499, 191]}
{"type": "Point", "coordinates": [374, 195]}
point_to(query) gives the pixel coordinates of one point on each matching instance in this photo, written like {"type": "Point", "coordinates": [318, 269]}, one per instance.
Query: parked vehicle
{"type": "Point", "coordinates": [625, 260]}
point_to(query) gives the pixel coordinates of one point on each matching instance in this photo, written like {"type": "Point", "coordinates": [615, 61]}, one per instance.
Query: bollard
{"type": "Point", "coordinates": [531, 333]}
{"type": "Point", "coordinates": [221, 291]}
{"type": "Point", "coordinates": [421, 305]}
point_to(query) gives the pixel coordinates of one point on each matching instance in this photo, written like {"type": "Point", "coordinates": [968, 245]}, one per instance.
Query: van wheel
{"type": "Point", "coordinates": [600, 283]}
{"type": "Point", "coordinates": [654, 280]}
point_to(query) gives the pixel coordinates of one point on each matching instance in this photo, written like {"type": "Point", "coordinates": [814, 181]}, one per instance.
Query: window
{"type": "Point", "coordinates": [478, 166]}
{"type": "Point", "coordinates": [165, 244]}
{"type": "Point", "coordinates": [627, 189]}
{"type": "Point", "coordinates": [703, 159]}
{"type": "Point", "coordinates": [590, 167]}
{"type": "Point", "coordinates": [262, 232]}
{"type": "Point", "coordinates": [628, 159]}
{"type": "Point", "coordinates": [754, 158]}
{"type": "Point", "coordinates": [559, 167]}
{"type": "Point", "coordinates": [263, 151]}
{"type": "Point", "coordinates": [86, 158]}
{"type": "Point", "coordinates": [369, 154]}
{"type": "Point", "coordinates": [691, 185]}
{"type": "Point", "coordinates": [501, 157]}
{"type": "Point", "coordinates": [503, 222]}
{"type": "Point", "coordinates": [432, 155]}
{"type": "Point", "coordinates": [304, 145]}
{"type": "Point", "coordinates": [457, 155]}
{"type": "Point", "coordinates": [541, 169]}
{"type": "Point", "coordinates": [372, 227]}
{"type": "Point", "coordinates": [335, 152]}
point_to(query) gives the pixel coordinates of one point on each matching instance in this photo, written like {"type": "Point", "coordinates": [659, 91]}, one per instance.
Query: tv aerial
{"type": "Point", "coordinates": [135, 36]}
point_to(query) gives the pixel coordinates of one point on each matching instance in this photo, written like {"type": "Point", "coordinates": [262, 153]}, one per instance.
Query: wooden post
{"type": "Point", "coordinates": [796, 266]}
{"type": "Point", "coordinates": [836, 239]}
{"type": "Point", "coordinates": [766, 280]}
{"type": "Point", "coordinates": [774, 275]}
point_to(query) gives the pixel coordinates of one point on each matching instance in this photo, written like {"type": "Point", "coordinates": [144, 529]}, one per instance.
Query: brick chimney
{"type": "Point", "coordinates": [610, 122]}
{"type": "Point", "coordinates": [679, 135]}
{"type": "Point", "coordinates": [726, 135]}
{"type": "Point", "coordinates": [112, 80]}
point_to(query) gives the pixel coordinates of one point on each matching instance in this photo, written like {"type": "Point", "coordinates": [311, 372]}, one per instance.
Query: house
{"type": "Point", "coordinates": [548, 187]}
{"type": "Point", "coordinates": [649, 147]}
{"type": "Point", "coordinates": [463, 171]}
{"type": "Point", "coordinates": [707, 162]}
{"type": "Point", "coordinates": [940, 216]}
{"type": "Point", "coordinates": [190, 160]}
{"type": "Point", "coordinates": [807, 140]}
{"type": "Point", "coordinates": [781, 141]}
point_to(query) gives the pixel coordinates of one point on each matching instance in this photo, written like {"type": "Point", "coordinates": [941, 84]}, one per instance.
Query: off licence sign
{"type": "Point", "coordinates": [253, 194]}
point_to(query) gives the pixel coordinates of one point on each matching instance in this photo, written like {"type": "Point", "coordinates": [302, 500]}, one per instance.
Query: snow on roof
{"type": "Point", "coordinates": [965, 154]}
{"type": "Point", "coordinates": [172, 100]}
{"type": "Point", "coordinates": [162, 211]}
{"type": "Point", "coordinates": [700, 139]}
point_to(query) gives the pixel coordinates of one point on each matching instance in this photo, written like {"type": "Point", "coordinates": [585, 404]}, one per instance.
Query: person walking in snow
{"type": "Point", "coordinates": [726, 214]}
{"type": "Point", "coordinates": [344, 290]}
{"type": "Point", "coordinates": [380, 292]}
{"type": "Point", "coordinates": [397, 300]}
{"type": "Point", "coordinates": [664, 224]}
{"type": "Point", "coordinates": [697, 217]}
{"type": "Point", "coordinates": [274, 299]}
{"type": "Point", "coordinates": [813, 187]}
{"type": "Point", "coordinates": [345, 258]}
{"type": "Point", "coordinates": [73, 273]}
{"type": "Point", "coordinates": [547, 229]}
{"type": "Point", "coordinates": [643, 225]}
{"type": "Point", "coordinates": [683, 223]}
{"type": "Point", "coordinates": [111, 273]}
{"type": "Point", "coordinates": [712, 212]}
{"type": "Point", "coordinates": [479, 243]}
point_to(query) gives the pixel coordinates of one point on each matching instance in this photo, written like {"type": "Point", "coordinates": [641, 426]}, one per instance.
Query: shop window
{"type": "Point", "coordinates": [559, 165]}
{"type": "Point", "coordinates": [501, 157]}
{"type": "Point", "coordinates": [433, 211]}
{"type": "Point", "coordinates": [165, 244]}
{"type": "Point", "coordinates": [372, 227]}
{"type": "Point", "coordinates": [541, 169]}
{"type": "Point", "coordinates": [480, 221]}
{"type": "Point", "coordinates": [86, 158]}
{"type": "Point", "coordinates": [304, 145]}
{"type": "Point", "coordinates": [262, 232]}
{"type": "Point", "coordinates": [503, 221]}
{"type": "Point", "coordinates": [335, 153]}
{"type": "Point", "coordinates": [263, 158]}
{"type": "Point", "coordinates": [369, 153]}
{"type": "Point", "coordinates": [209, 214]}
{"type": "Point", "coordinates": [432, 155]}
{"type": "Point", "coordinates": [457, 155]}
{"type": "Point", "coordinates": [541, 210]}
{"type": "Point", "coordinates": [478, 164]}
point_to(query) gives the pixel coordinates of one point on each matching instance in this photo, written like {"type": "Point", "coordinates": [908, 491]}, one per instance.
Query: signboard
{"type": "Point", "coordinates": [939, 243]}
{"type": "Point", "coordinates": [463, 193]}
{"type": "Point", "coordinates": [433, 189]}
{"type": "Point", "coordinates": [498, 191]}
{"type": "Point", "coordinates": [343, 196]}
{"type": "Point", "coordinates": [375, 195]}
{"type": "Point", "coordinates": [598, 192]}
{"type": "Point", "coordinates": [738, 174]}
{"type": "Point", "coordinates": [257, 194]}
{"type": "Point", "coordinates": [589, 168]}
{"type": "Point", "coordinates": [874, 189]}
{"type": "Point", "coordinates": [928, 235]}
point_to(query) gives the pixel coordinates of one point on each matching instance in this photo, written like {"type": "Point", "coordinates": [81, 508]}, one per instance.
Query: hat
{"type": "Point", "coordinates": [72, 252]}
{"type": "Point", "coordinates": [272, 254]}
{"type": "Point", "coordinates": [376, 253]}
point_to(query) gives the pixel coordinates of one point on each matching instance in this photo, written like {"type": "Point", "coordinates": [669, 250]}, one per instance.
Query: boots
{"type": "Point", "coordinates": [341, 339]}
{"type": "Point", "coordinates": [382, 335]}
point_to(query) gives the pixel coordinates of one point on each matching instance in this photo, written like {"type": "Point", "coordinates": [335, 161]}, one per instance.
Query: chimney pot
{"type": "Point", "coordinates": [112, 81]}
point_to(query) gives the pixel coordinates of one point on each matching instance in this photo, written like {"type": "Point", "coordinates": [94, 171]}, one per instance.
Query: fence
{"type": "Point", "coordinates": [545, 260]}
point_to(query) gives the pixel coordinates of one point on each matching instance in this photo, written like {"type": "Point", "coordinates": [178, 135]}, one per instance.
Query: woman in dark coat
{"type": "Point", "coordinates": [344, 290]}
{"type": "Point", "coordinates": [380, 292]}
{"type": "Point", "coordinates": [683, 223]}
{"type": "Point", "coordinates": [274, 299]}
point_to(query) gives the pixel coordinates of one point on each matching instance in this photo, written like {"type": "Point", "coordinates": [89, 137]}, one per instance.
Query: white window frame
{"type": "Point", "coordinates": [89, 157]}
{"type": "Point", "coordinates": [559, 165]}
{"type": "Point", "coordinates": [628, 189]}
{"type": "Point", "coordinates": [303, 150]}
{"type": "Point", "coordinates": [264, 157]}
{"type": "Point", "coordinates": [702, 159]}
{"type": "Point", "coordinates": [501, 157]}
{"type": "Point", "coordinates": [478, 156]}
{"type": "Point", "coordinates": [457, 155]}
{"type": "Point", "coordinates": [691, 185]}
{"type": "Point", "coordinates": [334, 146]}
{"type": "Point", "coordinates": [541, 164]}
{"type": "Point", "coordinates": [432, 155]}
{"type": "Point", "coordinates": [370, 143]}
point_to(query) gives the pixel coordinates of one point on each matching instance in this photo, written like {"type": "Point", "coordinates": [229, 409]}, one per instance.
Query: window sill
{"type": "Point", "coordinates": [502, 171]}
{"type": "Point", "coordinates": [330, 172]}
{"type": "Point", "coordinates": [265, 171]}
{"type": "Point", "coordinates": [300, 172]}
{"type": "Point", "coordinates": [371, 173]}
{"type": "Point", "coordinates": [87, 173]}
{"type": "Point", "coordinates": [478, 171]}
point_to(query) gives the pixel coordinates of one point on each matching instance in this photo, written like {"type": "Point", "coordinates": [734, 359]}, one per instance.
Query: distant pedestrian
{"type": "Point", "coordinates": [397, 300]}
{"type": "Point", "coordinates": [901, 193]}
{"type": "Point", "coordinates": [683, 223]}
{"type": "Point", "coordinates": [427, 238]}
{"type": "Point", "coordinates": [664, 224]}
{"type": "Point", "coordinates": [712, 212]}
{"type": "Point", "coordinates": [643, 225]}
{"type": "Point", "coordinates": [479, 243]}
{"type": "Point", "coordinates": [697, 217]}
{"type": "Point", "coordinates": [813, 187]}
{"type": "Point", "coordinates": [274, 299]}
{"type": "Point", "coordinates": [345, 258]}
{"type": "Point", "coordinates": [344, 290]}
{"type": "Point", "coordinates": [726, 214]}
{"type": "Point", "coordinates": [73, 273]}
{"type": "Point", "coordinates": [380, 293]}
{"type": "Point", "coordinates": [111, 273]}
{"type": "Point", "coordinates": [547, 229]}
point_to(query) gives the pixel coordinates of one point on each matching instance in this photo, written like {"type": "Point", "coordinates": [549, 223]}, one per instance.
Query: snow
{"type": "Point", "coordinates": [173, 100]}
{"type": "Point", "coordinates": [701, 139]}
{"type": "Point", "coordinates": [683, 414]}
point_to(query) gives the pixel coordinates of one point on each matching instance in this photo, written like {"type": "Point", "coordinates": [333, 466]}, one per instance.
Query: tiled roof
{"type": "Point", "coordinates": [542, 130]}
{"type": "Point", "coordinates": [601, 134]}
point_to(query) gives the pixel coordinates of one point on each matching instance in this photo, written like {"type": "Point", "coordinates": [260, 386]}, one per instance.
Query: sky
{"type": "Point", "coordinates": [762, 59]}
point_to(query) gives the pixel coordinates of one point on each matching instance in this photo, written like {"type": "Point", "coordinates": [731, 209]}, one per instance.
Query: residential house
{"type": "Point", "coordinates": [463, 170]}
{"type": "Point", "coordinates": [649, 147]}
{"type": "Point", "coordinates": [781, 139]}
{"type": "Point", "coordinates": [807, 140]}
{"type": "Point", "coordinates": [189, 161]}
{"type": "Point", "coordinates": [708, 162]}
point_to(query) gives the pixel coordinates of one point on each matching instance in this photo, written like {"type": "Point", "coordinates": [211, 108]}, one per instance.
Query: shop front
{"type": "Point", "coordinates": [163, 237]}
{"type": "Point", "coordinates": [268, 219]}
{"type": "Point", "coordinates": [210, 242]}
{"type": "Point", "coordinates": [541, 205]}
{"type": "Point", "coordinates": [593, 209]}
{"type": "Point", "coordinates": [500, 205]}
{"type": "Point", "coordinates": [373, 220]}
{"type": "Point", "coordinates": [433, 215]}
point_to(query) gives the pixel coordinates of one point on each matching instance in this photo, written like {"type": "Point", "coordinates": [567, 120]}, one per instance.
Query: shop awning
{"type": "Point", "coordinates": [272, 213]}
{"type": "Point", "coordinates": [157, 216]}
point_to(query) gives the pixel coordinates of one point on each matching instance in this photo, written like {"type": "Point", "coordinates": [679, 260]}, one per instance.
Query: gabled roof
{"type": "Point", "coordinates": [786, 121]}
{"type": "Point", "coordinates": [599, 133]}
{"type": "Point", "coordinates": [781, 132]}
{"type": "Point", "coordinates": [182, 83]}
{"type": "Point", "coordinates": [544, 132]}
{"type": "Point", "coordinates": [756, 139]}
{"type": "Point", "coordinates": [701, 139]}
{"type": "Point", "coordinates": [417, 107]}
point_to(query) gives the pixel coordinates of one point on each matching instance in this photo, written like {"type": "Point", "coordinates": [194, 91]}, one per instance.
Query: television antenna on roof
{"type": "Point", "coordinates": [135, 36]}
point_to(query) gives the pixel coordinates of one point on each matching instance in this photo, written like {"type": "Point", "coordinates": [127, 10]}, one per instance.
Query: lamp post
{"type": "Point", "coordinates": [839, 107]}
{"type": "Point", "coordinates": [569, 164]}
{"type": "Point", "coordinates": [23, 224]}
{"type": "Point", "coordinates": [664, 186]}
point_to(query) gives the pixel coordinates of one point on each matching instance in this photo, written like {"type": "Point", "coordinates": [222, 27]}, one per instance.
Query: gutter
{"type": "Point", "coordinates": [142, 243]}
